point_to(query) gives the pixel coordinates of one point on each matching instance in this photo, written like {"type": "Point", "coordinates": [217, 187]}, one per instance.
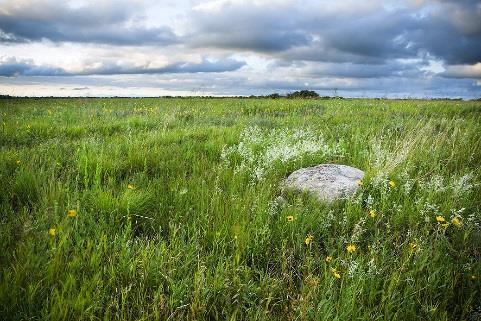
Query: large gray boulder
{"type": "Point", "coordinates": [328, 182]}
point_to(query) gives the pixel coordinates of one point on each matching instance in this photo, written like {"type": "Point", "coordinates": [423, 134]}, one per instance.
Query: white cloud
{"type": "Point", "coordinates": [464, 71]}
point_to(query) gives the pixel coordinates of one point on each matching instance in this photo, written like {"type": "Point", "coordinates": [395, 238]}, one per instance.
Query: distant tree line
{"type": "Point", "coordinates": [292, 95]}
{"type": "Point", "coordinates": [300, 94]}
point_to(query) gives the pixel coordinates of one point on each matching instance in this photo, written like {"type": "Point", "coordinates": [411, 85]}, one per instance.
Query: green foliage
{"type": "Point", "coordinates": [180, 212]}
{"type": "Point", "coordinates": [303, 94]}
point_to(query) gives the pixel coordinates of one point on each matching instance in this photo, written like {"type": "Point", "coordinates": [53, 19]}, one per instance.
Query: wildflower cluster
{"type": "Point", "coordinates": [335, 273]}
{"type": "Point", "coordinates": [52, 231]}
{"type": "Point", "coordinates": [259, 149]}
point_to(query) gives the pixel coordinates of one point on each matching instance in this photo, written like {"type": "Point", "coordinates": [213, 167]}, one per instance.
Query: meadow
{"type": "Point", "coordinates": [173, 209]}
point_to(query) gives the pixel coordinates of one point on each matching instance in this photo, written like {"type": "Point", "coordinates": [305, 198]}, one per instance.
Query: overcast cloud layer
{"type": "Point", "coordinates": [410, 48]}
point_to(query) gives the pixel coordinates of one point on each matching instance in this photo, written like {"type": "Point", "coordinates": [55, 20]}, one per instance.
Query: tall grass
{"type": "Point", "coordinates": [181, 212]}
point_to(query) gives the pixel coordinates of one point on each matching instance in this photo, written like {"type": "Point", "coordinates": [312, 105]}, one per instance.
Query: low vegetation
{"type": "Point", "coordinates": [171, 209]}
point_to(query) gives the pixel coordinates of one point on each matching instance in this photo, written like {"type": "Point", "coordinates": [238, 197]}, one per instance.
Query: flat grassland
{"type": "Point", "coordinates": [146, 209]}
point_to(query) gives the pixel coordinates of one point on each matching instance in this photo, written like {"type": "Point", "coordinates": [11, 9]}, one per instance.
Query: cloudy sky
{"type": "Point", "coordinates": [381, 48]}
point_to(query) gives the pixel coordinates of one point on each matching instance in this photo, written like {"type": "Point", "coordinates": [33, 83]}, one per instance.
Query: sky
{"type": "Point", "coordinates": [352, 48]}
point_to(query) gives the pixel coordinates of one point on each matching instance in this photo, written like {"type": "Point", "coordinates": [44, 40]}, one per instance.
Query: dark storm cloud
{"type": "Point", "coordinates": [350, 70]}
{"type": "Point", "coordinates": [451, 32]}
{"type": "Point", "coordinates": [446, 30]}
{"type": "Point", "coordinates": [465, 15]}
{"type": "Point", "coordinates": [248, 27]}
{"type": "Point", "coordinates": [103, 23]}
{"type": "Point", "coordinates": [11, 67]}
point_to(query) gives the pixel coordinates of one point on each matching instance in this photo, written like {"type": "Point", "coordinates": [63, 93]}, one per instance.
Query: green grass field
{"type": "Point", "coordinates": [177, 211]}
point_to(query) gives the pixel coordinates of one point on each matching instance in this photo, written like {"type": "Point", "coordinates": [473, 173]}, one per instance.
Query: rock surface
{"type": "Point", "coordinates": [328, 182]}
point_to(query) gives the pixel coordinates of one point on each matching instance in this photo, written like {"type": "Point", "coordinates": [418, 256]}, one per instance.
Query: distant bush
{"type": "Point", "coordinates": [303, 94]}
{"type": "Point", "coordinates": [274, 96]}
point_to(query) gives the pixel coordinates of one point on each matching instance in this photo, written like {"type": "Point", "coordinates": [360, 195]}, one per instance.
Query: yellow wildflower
{"type": "Point", "coordinates": [309, 239]}
{"type": "Point", "coordinates": [328, 259]}
{"type": "Point", "coordinates": [360, 182]}
{"type": "Point", "coordinates": [131, 186]}
{"type": "Point", "coordinates": [290, 218]}
{"type": "Point", "coordinates": [413, 246]}
{"type": "Point", "coordinates": [392, 184]}
{"type": "Point", "coordinates": [473, 277]}
{"type": "Point", "coordinates": [372, 213]}
{"type": "Point", "coordinates": [335, 273]}
{"type": "Point", "coordinates": [456, 222]}
{"type": "Point", "coordinates": [72, 213]}
{"type": "Point", "coordinates": [51, 231]}
{"type": "Point", "coordinates": [440, 219]}
{"type": "Point", "coordinates": [351, 248]}
{"type": "Point", "coordinates": [18, 162]}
